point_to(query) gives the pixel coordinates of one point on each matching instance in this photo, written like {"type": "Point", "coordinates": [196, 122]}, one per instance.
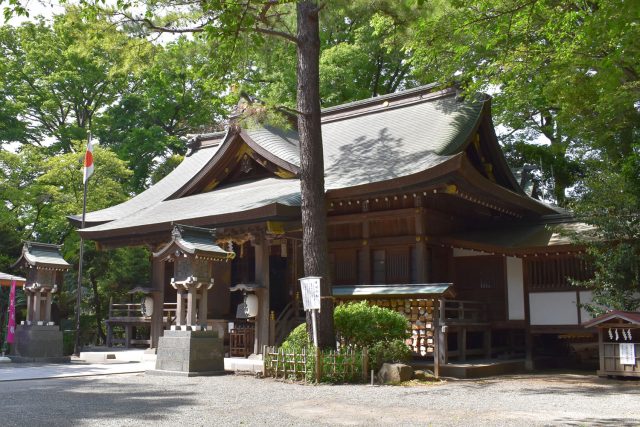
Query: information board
{"type": "Point", "coordinates": [627, 354]}
{"type": "Point", "coordinates": [310, 292]}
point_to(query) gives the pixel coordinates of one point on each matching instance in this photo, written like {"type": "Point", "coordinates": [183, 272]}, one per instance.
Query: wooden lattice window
{"type": "Point", "coordinates": [391, 265]}
{"type": "Point", "coordinates": [346, 267]}
{"type": "Point", "coordinates": [556, 273]}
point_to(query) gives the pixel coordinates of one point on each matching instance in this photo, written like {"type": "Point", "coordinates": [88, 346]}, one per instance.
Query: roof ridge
{"type": "Point", "coordinates": [380, 104]}
{"type": "Point", "coordinates": [424, 89]}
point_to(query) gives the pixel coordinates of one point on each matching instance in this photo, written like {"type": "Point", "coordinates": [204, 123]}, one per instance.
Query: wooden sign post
{"type": "Point", "coordinates": [311, 300]}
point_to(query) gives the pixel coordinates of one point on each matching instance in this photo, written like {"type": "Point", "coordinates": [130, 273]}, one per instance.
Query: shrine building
{"type": "Point", "coordinates": [424, 216]}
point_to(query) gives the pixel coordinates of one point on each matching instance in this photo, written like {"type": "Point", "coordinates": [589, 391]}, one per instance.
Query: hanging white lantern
{"type": "Point", "coordinates": [147, 306]}
{"type": "Point", "coordinates": [251, 301]}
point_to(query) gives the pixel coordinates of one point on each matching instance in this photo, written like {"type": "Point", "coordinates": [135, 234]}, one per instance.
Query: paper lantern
{"type": "Point", "coordinates": [251, 301]}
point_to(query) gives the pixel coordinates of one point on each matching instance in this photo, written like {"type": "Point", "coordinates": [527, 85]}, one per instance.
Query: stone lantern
{"type": "Point", "coordinates": [38, 337]}
{"type": "Point", "coordinates": [188, 347]}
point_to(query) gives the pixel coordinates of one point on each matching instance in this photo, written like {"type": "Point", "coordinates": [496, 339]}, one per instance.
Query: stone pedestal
{"type": "Point", "coordinates": [189, 353]}
{"type": "Point", "coordinates": [38, 343]}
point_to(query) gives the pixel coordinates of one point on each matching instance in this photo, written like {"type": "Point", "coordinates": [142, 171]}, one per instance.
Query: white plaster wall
{"type": "Point", "coordinates": [457, 252]}
{"type": "Point", "coordinates": [553, 308]}
{"type": "Point", "coordinates": [585, 298]}
{"type": "Point", "coordinates": [515, 288]}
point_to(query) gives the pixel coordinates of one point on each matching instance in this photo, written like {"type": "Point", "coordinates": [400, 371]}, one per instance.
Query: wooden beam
{"type": "Point", "coordinates": [364, 216]}
{"type": "Point", "coordinates": [262, 251]}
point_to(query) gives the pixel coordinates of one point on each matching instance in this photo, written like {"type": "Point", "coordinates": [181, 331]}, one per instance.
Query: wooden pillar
{"type": "Point", "coordinates": [262, 277]}
{"type": "Point", "coordinates": [487, 343]}
{"type": "Point", "coordinates": [191, 306]}
{"type": "Point", "coordinates": [272, 328]}
{"type": "Point", "coordinates": [462, 343]}
{"type": "Point", "coordinates": [157, 318]}
{"type": "Point", "coordinates": [365, 256]}
{"type": "Point", "coordinates": [437, 332]}
{"type": "Point", "coordinates": [47, 308]}
{"type": "Point", "coordinates": [601, 350]}
{"type": "Point", "coordinates": [127, 336]}
{"type": "Point", "coordinates": [202, 308]}
{"type": "Point", "coordinates": [421, 242]}
{"type": "Point", "coordinates": [180, 320]}
{"type": "Point", "coordinates": [528, 342]}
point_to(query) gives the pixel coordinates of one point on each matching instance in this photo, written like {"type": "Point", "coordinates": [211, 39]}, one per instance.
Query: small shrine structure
{"type": "Point", "coordinates": [619, 343]}
{"type": "Point", "coordinates": [193, 252]}
{"type": "Point", "coordinates": [38, 337]}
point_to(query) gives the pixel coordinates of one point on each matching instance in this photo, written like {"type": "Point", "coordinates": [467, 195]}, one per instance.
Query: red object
{"type": "Point", "coordinates": [11, 330]}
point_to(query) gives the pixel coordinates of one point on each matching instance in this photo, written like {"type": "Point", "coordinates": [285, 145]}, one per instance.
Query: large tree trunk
{"type": "Point", "coordinates": [314, 212]}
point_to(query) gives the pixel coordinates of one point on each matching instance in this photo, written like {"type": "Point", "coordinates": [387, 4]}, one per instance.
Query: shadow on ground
{"type": "Point", "coordinates": [74, 400]}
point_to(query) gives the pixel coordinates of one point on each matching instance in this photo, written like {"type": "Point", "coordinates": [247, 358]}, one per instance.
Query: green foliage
{"type": "Point", "coordinates": [566, 72]}
{"type": "Point", "coordinates": [58, 77]}
{"type": "Point", "coordinates": [394, 351]}
{"type": "Point", "coordinates": [298, 338]}
{"type": "Point", "coordinates": [610, 202]}
{"type": "Point", "coordinates": [363, 325]}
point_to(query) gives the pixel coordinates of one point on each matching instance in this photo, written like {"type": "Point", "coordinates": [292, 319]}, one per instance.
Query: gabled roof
{"type": "Point", "coordinates": [232, 204]}
{"type": "Point", "coordinates": [160, 191]}
{"type": "Point", "coordinates": [632, 317]}
{"type": "Point", "coordinates": [42, 255]}
{"type": "Point", "coordinates": [194, 241]}
{"type": "Point", "coordinates": [367, 145]}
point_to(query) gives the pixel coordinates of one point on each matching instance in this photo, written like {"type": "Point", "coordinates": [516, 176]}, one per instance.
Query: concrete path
{"type": "Point", "coordinates": [29, 371]}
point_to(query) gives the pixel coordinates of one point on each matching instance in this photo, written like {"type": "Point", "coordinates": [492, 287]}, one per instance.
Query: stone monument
{"type": "Point", "coordinates": [188, 348]}
{"type": "Point", "coordinates": [38, 339]}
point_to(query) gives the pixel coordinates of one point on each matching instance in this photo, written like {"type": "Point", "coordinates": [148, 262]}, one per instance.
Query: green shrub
{"type": "Point", "coordinates": [395, 351]}
{"type": "Point", "coordinates": [298, 338]}
{"type": "Point", "coordinates": [362, 325]}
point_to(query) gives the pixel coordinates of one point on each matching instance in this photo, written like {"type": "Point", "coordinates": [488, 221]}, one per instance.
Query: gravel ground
{"type": "Point", "coordinates": [138, 399]}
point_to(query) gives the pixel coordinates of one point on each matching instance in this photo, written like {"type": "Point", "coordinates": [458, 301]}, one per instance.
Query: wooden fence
{"type": "Point", "coordinates": [300, 365]}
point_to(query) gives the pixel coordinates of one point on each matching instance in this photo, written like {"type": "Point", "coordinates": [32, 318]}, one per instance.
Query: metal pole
{"type": "Point", "coordinates": [76, 347]}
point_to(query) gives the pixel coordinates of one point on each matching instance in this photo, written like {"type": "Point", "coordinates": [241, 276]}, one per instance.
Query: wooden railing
{"type": "Point", "coordinates": [286, 321]}
{"type": "Point", "coordinates": [133, 311]}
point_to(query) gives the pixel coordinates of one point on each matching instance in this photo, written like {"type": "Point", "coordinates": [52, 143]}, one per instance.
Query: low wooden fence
{"type": "Point", "coordinates": [301, 365]}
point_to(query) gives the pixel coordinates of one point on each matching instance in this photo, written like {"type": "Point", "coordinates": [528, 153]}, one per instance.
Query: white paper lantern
{"type": "Point", "coordinates": [147, 306]}
{"type": "Point", "coordinates": [251, 300]}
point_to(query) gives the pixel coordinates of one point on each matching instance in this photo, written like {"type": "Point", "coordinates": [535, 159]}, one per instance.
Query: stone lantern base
{"type": "Point", "coordinates": [189, 353]}
{"type": "Point", "coordinates": [38, 343]}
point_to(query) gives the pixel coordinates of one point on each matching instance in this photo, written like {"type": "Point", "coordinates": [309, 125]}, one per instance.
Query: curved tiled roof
{"type": "Point", "coordinates": [283, 144]}
{"type": "Point", "coordinates": [365, 142]}
{"type": "Point", "coordinates": [234, 198]}
{"type": "Point", "coordinates": [162, 190]}
{"type": "Point", "coordinates": [385, 141]}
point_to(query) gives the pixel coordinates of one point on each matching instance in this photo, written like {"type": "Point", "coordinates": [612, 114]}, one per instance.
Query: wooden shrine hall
{"type": "Point", "coordinates": [424, 216]}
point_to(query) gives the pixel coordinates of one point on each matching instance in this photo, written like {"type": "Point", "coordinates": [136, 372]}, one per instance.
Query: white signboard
{"type": "Point", "coordinates": [310, 292]}
{"type": "Point", "coordinates": [627, 354]}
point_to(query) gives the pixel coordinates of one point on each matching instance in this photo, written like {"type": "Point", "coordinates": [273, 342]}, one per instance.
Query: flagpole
{"type": "Point", "coordinates": [76, 347]}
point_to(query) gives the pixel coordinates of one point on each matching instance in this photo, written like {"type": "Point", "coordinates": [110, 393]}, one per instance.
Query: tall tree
{"type": "Point", "coordinates": [57, 78]}
{"type": "Point", "coordinates": [226, 24]}
{"type": "Point", "coordinates": [564, 71]}
{"type": "Point", "coordinates": [171, 97]}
